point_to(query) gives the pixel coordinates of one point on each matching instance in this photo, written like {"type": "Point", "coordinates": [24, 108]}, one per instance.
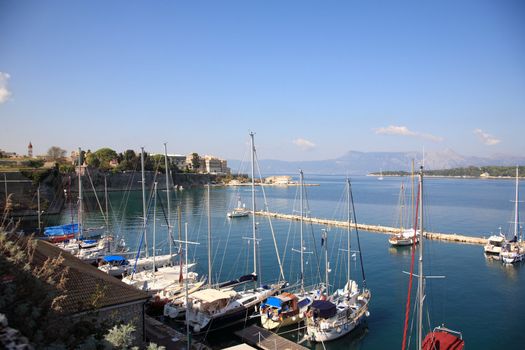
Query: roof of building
{"type": "Point", "coordinates": [85, 282]}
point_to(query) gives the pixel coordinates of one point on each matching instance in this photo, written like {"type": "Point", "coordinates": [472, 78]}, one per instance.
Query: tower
{"type": "Point", "coordinates": [30, 150]}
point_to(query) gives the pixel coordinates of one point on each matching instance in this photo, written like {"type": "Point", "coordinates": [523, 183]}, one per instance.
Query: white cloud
{"type": "Point", "coordinates": [487, 139]}
{"type": "Point", "coordinates": [4, 92]}
{"type": "Point", "coordinates": [404, 131]}
{"type": "Point", "coordinates": [304, 144]}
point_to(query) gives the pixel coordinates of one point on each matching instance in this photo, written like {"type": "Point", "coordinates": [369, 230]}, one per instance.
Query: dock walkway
{"type": "Point", "coordinates": [449, 237]}
{"type": "Point", "coordinates": [264, 339]}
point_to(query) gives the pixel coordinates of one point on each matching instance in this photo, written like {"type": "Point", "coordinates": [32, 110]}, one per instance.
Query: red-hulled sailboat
{"type": "Point", "coordinates": [441, 338]}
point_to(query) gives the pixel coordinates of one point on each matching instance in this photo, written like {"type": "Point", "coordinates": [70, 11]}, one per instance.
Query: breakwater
{"type": "Point", "coordinates": [449, 237]}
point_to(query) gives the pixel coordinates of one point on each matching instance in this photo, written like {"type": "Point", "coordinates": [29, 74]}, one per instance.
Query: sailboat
{"type": "Point", "coordinates": [514, 251]}
{"type": "Point", "coordinates": [405, 237]}
{"type": "Point", "coordinates": [158, 271]}
{"type": "Point", "coordinates": [380, 175]}
{"type": "Point", "coordinates": [72, 239]}
{"type": "Point", "coordinates": [440, 337]}
{"type": "Point", "coordinates": [346, 309]}
{"type": "Point", "coordinates": [239, 211]}
{"type": "Point", "coordinates": [214, 308]}
{"type": "Point", "coordinates": [289, 308]}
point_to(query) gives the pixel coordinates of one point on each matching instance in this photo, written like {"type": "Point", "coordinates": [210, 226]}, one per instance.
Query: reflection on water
{"type": "Point", "coordinates": [400, 250]}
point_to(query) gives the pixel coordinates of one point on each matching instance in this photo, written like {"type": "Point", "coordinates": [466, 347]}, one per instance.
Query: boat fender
{"type": "Point", "coordinates": [338, 329]}
{"type": "Point", "coordinates": [367, 314]}
{"type": "Point", "coordinates": [196, 328]}
{"type": "Point", "coordinates": [294, 318]}
{"type": "Point", "coordinates": [346, 326]}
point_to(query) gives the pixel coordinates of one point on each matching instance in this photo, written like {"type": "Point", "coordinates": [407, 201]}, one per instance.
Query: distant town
{"type": "Point", "coordinates": [109, 160]}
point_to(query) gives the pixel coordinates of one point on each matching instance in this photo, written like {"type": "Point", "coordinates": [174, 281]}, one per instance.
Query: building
{"type": "Point", "coordinates": [92, 294]}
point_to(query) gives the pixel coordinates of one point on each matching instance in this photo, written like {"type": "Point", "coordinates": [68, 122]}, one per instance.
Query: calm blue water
{"type": "Point", "coordinates": [482, 298]}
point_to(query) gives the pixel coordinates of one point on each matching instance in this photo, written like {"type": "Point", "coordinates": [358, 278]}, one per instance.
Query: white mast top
{"type": "Point", "coordinates": [144, 214]}
{"type": "Point", "coordinates": [254, 227]}
{"type": "Point", "coordinates": [301, 182]}
{"type": "Point", "coordinates": [209, 237]}
{"type": "Point", "coordinates": [516, 212]}
{"type": "Point", "coordinates": [420, 267]}
{"type": "Point", "coordinates": [348, 235]}
{"type": "Point", "coordinates": [168, 175]}
{"type": "Point", "coordinates": [80, 199]}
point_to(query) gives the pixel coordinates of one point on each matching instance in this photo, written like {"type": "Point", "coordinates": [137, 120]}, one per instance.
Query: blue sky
{"type": "Point", "coordinates": [313, 79]}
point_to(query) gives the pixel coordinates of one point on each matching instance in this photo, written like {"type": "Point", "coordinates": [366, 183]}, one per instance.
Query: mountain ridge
{"type": "Point", "coordinates": [361, 163]}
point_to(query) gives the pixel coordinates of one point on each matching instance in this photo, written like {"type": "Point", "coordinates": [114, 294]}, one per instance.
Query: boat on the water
{"type": "Point", "coordinates": [494, 245]}
{"type": "Point", "coordinates": [289, 308]}
{"type": "Point", "coordinates": [440, 338]}
{"type": "Point", "coordinates": [240, 211]}
{"type": "Point", "coordinates": [114, 265]}
{"type": "Point", "coordinates": [514, 251]}
{"type": "Point", "coordinates": [346, 309]}
{"type": "Point", "coordinates": [216, 308]}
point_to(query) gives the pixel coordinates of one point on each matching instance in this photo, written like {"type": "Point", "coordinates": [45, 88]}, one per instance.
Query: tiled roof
{"type": "Point", "coordinates": [85, 283]}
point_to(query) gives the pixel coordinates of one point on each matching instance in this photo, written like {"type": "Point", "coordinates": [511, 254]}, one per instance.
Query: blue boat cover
{"type": "Point", "coordinates": [323, 308]}
{"type": "Point", "coordinates": [61, 230]}
{"type": "Point", "coordinates": [89, 241]}
{"type": "Point", "coordinates": [273, 301]}
{"type": "Point", "coordinates": [113, 258]}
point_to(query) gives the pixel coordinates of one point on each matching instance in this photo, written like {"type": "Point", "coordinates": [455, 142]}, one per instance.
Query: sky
{"type": "Point", "coordinates": [312, 79]}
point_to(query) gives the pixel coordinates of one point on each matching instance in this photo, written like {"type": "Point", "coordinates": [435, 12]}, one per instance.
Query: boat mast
{"type": "Point", "coordinates": [154, 220]}
{"type": "Point", "coordinates": [348, 236]}
{"type": "Point", "coordinates": [516, 212]}
{"type": "Point", "coordinates": [326, 263]}
{"type": "Point", "coordinates": [144, 214]}
{"type": "Point", "coordinates": [107, 209]}
{"type": "Point", "coordinates": [254, 227]}
{"type": "Point", "coordinates": [209, 236]}
{"type": "Point", "coordinates": [420, 266]}
{"type": "Point", "coordinates": [80, 207]}
{"type": "Point", "coordinates": [168, 175]}
{"type": "Point", "coordinates": [188, 334]}
{"type": "Point", "coordinates": [301, 186]}
{"type": "Point", "coordinates": [39, 212]}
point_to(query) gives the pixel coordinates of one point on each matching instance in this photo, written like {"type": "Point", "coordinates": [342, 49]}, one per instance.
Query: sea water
{"type": "Point", "coordinates": [482, 298]}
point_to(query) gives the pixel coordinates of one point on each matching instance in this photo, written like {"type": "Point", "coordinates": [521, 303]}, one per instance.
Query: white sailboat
{"type": "Point", "coordinates": [289, 308]}
{"type": "Point", "coordinates": [87, 250]}
{"type": "Point", "coordinates": [380, 178]}
{"type": "Point", "coordinates": [163, 272]}
{"type": "Point", "coordinates": [514, 251]}
{"type": "Point", "coordinates": [405, 236]}
{"type": "Point", "coordinates": [331, 319]}
{"type": "Point", "coordinates": [211, 308]}
{"type": "Point", "coordinates": [239, 211]}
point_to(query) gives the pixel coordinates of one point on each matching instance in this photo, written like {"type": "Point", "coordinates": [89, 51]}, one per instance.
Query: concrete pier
{"type": "Point", "coordinates": [449, 237]}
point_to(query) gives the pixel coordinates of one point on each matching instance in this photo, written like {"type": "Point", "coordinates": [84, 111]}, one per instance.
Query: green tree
{"type": "Point", "coordinates": [55, 153]}
{"type": "Point", "coordinates": [195, 161]}
{"type": "Point", "coordinates": [105, 155]}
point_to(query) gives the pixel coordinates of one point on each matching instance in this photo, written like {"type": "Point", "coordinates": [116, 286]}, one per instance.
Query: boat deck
{"type": "Point", "coordinates": [264, 339]}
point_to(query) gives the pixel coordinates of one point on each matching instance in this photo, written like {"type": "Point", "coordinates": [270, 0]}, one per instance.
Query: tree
{"type": "Point", "coordinates": [195, 161]}
{"type": "Point", "coordinates": [92, 160]}
{"type": "Point", "coordinates": [105, 155]}
{"type": "Point", "coordinates": [56, 153]}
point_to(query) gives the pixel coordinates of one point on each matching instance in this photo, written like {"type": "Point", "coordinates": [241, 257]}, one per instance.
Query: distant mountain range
{"type": "Point", "coordinates": [362, 163]}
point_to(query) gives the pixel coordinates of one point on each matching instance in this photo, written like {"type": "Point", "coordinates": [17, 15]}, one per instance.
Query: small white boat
{"type": "Point", "coordinates": [405, 238]}
{"type": "Point", "coordinates": [494, 244]}
{"type": "Point", "coordinates": [114, 265]}
{"type": "Point", "coordinates": [514, 251]}
{"type": "Point", "coordinates": [239, 212]}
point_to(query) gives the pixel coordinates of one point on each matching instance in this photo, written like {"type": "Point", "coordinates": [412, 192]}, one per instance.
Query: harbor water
{"type": "Point", "coordinates": [480, 297]}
